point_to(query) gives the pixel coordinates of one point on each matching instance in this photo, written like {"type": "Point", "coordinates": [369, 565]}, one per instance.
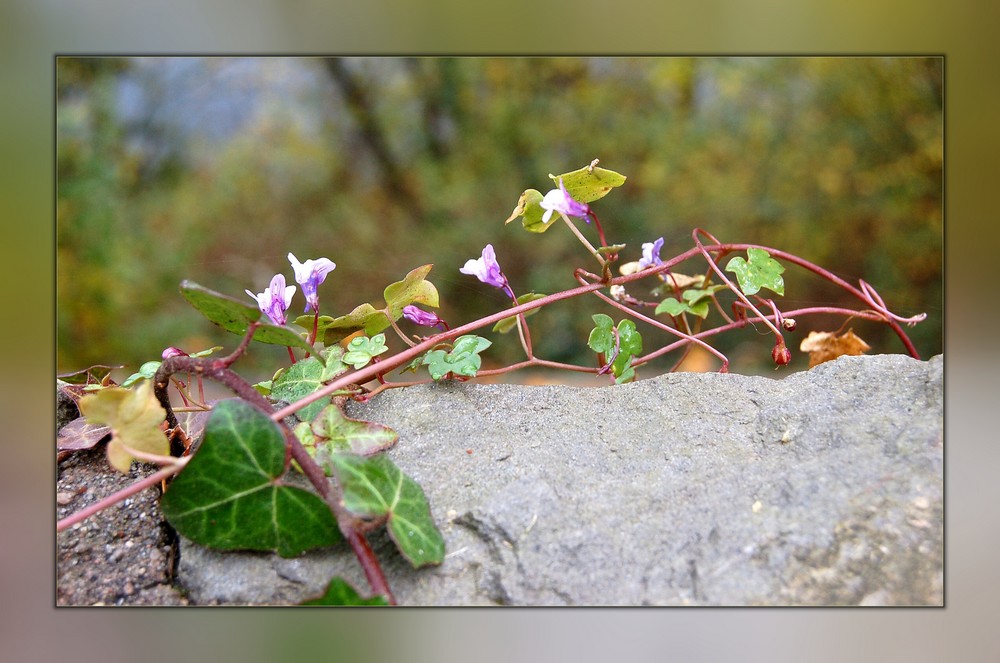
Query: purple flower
{"type": "Point", "coordinates": [420, 316]}
{"type": "Point", "coordinates": [487, 270]}
{"type": "Point", "coordinates": [309, 275]}
{"type": "Point", "coordinates": [559, 200]}
{"type": "Point", "coordinates": [274, 301]}
{"type": "Point", "coordinates": [651, 254]}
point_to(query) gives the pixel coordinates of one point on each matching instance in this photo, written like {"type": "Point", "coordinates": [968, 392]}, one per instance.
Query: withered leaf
{"type": "Point", "coordinates": [80, 434]}
{"type": "Point", "coordinates": [824, 346]}
{"type": "Point", "coordinates": [134, 417]}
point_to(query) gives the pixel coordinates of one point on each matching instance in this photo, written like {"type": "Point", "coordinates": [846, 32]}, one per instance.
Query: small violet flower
{"type": "Point", "coordinates": [274, 301]}
{"type": "Point", "coordinates": [309, 275]}
{"type": "Point", "coordinates": [420, 316]}
{"type": "Point", "coordinates": [487, 270]}
{"type": "Point", "coordinates": [559, 200]}
{"type": "Point", "coordinates": [651, 254]}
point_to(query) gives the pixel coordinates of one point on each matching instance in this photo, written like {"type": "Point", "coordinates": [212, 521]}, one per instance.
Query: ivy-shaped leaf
{"type": "Point", "coordinates": [134, 417]}
{"type": "Point", "coordinates": [696, 302]}
{"type": "Point", "coordinates": [340, 592]}
{"type": "Point", "coordinates": [760, 271]}
{"type": "Point", "coordinates": [672, 307]}
{"type": "Point", "coordinates": [334, 356]}
{"type": "Point", "coordinates": [508, 324]}
{"type": "Point", "coordinates": [623, 344]}
{"type": "Point", "coordinates": [235, 316]}
{"type": "Point", "coordinates": [331, 431]}
{"type": "Point", "coordinates": [375, 488]}
{"type": "Point", "coordinates": [629, 346]}
{"type": "Point", "coordinates": [463, 359]}
{"type": "Point", "coordinates": [230, 497]}
{"type": "Point", "coordinates": [602, 339]}
{"type": "Point", "coordinates": [362, 349]}
{"type": "Point", "coordinates": [299, 380]}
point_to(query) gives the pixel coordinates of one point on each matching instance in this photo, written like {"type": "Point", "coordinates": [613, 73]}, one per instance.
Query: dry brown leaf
{"type": "Point", "coordinates": [80, 434]}
{"type": "Point", "coordinates": [824, 346]}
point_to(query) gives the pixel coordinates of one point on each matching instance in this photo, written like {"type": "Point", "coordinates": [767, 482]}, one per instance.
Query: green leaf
{"type": "Point", "coordinates": [361, 350]}
{"type": "Point", "coordinates": [375, 488]}
{"type": "Point", "coordinates": [231, 314]}
{"type": "Point", "coordinates": [334, 357]}
{"type": "Point", "coordinates": [696, 302]}
{"type": "Point", "coordinates": [230, 496]}
{"type": "Point", "coordinates": [761, 271]}
{"type": "Point", "coordinates": [134, 417]}
{"type": "Point", "coordinates": [205, 353]}
{"type": "Point", "coordinates": [629, 345]}
{"type": "Point", "coordinates": [610, 250]}
{"type": "Point", "coordinates": [601, 337]}
{"type": "Point", "coordinates": [340, 592]}
{"type": "Point", "coordinates": [585, 185]}
{"type": "Point", "coordinates": [275, 335]}
{"type": "Point", "coordinates": [589, 184]}
{"type": "Point", "coordinates": [146, 371]}
{"type": "Point", "coordinates": [529, 207]}
{"type": "Point", "coordinates": [463, 359]}
{"type": "Point", "coordinates": [335, 432]}
{"type": "Point", "coordinates": [672, 307]}
{"type": "Point", "coordinates": [365, 318]}
{"type": "Point", "coordinates": [235, 316]}
{"type": "Point", "coordinates": [508, 324]}
{"type": "Point", "coordinates": [413, 289]}
{"type": "Point", "coordinates": [299, 380]}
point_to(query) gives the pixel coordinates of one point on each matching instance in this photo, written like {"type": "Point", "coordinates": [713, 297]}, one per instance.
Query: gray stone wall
{"type": "Point", "coordinates": [819, 488]}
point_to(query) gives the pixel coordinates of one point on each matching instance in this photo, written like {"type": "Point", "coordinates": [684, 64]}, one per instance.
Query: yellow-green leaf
{"type": "Point", "coordinates": [134, 417]}
{"type": "Point", "coordinates": [589, 183]}
{"type": "Point", "coordinates": [413, 289]}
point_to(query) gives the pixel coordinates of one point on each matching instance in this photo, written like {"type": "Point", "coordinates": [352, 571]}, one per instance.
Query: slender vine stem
{"type": "Point", "coordinates": [353, 528]}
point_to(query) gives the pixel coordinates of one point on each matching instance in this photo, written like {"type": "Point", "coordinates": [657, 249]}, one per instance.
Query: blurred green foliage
{"type": "Point", "coordinates": [385, 164]}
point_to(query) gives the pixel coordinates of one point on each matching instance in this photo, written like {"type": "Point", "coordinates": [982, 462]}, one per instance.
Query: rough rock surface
{"type": "Point", "coordinates": [821, 488]}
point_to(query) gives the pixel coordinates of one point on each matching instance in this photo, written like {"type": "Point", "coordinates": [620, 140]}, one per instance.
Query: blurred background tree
{"type": "Point", "coordinates": [213, 169]}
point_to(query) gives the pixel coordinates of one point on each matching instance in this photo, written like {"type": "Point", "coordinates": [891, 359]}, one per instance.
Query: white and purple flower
{"type": "Point", "coordinates": [487, 270]}
{"type": "Point", "coordinates": [559, 200]}
{"type": "Point", "coordinates": [309, 275]}
{"type": "Point", "coordinates": [651, 254]}
{"type": "Point", "coordinates": [274, 301]}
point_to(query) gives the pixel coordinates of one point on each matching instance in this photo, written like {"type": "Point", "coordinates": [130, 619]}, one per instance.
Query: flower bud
{"type": "Point", "coordinates": [173, 352]}
{"type": "Point", "coordinates": [781, 354]}
{"type": "Point", "coordinates": [789, 324]}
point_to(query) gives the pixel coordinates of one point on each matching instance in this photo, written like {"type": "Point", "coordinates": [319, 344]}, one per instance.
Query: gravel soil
{"type": "Point", "coordinates": [124, 555]}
